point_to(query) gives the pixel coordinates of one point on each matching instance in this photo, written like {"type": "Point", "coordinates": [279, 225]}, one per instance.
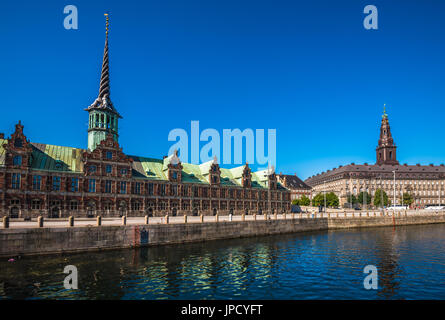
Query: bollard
{"type": "Point", "coordinates": [337, 214]}
{"type": "Point", "coordinates": [5, 222]}
{"type": "Point", "coordinates": [99, 221]}
{"type": "Point", "coordinates": [301, 215]}
{"type": "Point", "coordinates": [275, 216]}
{"type": "Point", "coordinates": [243, 217]}
{"type": "Point", "coordinates": [185, 218]}
{"type": "Point", "coordinates": [71, 221]}
{"type": "Point", "coordinates": [124, 220]}
{"type": "Point", "coordinates": [254, 216]}
{"type": "Point", "coordinates": [293, 216]}
{"type": "Point", "coordinates": [202, 218]}
{"type": "Point", "coordinates": [329, 215]}
{"type": "Point", "coordinates": [216, 218]}
{"type": "Point", "coordinates": [40, 221]}
{"type": "Point", "coordinates": [265, 216]}
{"type": "Point", "coordinates": [166, 219]}
{"type": "Point", "coordinates": [146, 220]}
{"type": "Point", "coordinates": [367, 214]}
{"type": "Point", "coordinates": [308, 215]}
{"type": "Point", "coordinates": [230, 217]}
{"type": "Point", "coordinates": [284, 216]}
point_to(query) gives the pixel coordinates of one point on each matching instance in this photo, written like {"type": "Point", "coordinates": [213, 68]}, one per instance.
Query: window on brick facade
{"type": "Point", "coordinates": [137, 188]}
{"type": "Point", "coordinates": [18, 143]}
{"type": "Point", "coordinates": [56, 183]}
{"type": "Point", "coordinates": [162, 189]}
{"type": "Point", "coordinates": [150, 188]}
{"type": "Point", "coordinates": [109, 155]}
{"type": "Point", "coordinates": [123, 187]}
{"type": "Point", "coordinates": [16, 181]}
{"type": "Point", "coordinates": [173, 190]}
{"type": "Point", "coordinates": [74, 184]}
{"type": "Point", "coordinates": [108, 168]}
{"type": "Point", "coordinates": [36, 181]}
{"type": "Point", "coordinates": [74, 205]}
{"type": "Point", "coordinates": [107, 186]}
{"type": "Point", "coordinates": [35, 204]}
{"type": "Point", "coordinates": [92, 185]}
{"type": "Point", "coordinates": [135, 205]}
{"type": "Point", "coordinates": [17, 160]}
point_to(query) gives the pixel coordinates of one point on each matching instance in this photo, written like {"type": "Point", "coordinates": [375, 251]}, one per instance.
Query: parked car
{"type": "Point", "coordinates": [397, 207]}
{"type": "Point", "coordinates": [435, 208]}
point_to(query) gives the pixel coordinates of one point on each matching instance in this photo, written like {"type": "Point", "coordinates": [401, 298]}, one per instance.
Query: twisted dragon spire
{"type": "Point", "coordinates": [103, 101]}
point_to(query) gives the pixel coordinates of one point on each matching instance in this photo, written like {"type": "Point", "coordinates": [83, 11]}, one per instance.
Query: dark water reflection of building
{"type": "Point", "coordinates": [319, 265]}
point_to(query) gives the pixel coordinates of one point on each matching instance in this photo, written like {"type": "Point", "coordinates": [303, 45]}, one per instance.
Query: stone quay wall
{"type": "Point", "coordinates": [50, 240]}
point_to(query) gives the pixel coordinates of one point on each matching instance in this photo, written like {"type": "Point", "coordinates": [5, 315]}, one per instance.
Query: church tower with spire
{"type": "Point", "coordinates": [386, 149]}
{"type": "Point", "coordinates": [103, 117]}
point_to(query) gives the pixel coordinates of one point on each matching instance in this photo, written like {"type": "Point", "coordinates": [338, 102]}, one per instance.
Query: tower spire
{"type": "Point", "coordinates": [103, 117]}
{"type": "Point", "coordinates": [103, 101]}
{"type": "Point", "coordinates": [386, 149]}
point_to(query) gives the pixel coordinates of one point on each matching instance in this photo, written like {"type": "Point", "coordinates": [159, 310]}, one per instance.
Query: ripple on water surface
{"type": "Point", "coordinates": [321, 265]}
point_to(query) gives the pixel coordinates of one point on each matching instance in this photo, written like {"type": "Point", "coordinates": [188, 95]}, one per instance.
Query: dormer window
{"type": "Point", "coordinates": [58, 165]}
{"type": "Point", "coordinates": [18, 143]}
{"type": "Point", "coordinates": [123, 171]}
{"type": "Point", "coordinates": [109, 155]}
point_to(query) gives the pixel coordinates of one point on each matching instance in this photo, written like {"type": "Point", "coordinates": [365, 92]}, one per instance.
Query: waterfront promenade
{"type": "Point", "coordinates": [117, 221]}
{"type": "Point", "coordinates": [75, 235]}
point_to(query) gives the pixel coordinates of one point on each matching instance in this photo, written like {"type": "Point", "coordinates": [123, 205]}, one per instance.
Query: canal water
{"type": "Point", "coordinates": [410, 263]}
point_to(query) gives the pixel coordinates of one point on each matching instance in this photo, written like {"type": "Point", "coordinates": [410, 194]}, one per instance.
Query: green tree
{"type": "Point", "coordinates": [295, 202]}
{"type": "Point", "coordinates": [407, 199]}
{"type": "Point", "coordinates": [364, 198]}
{"type": "Point", "coordinates": [331, 200]}
{"type": "Point", "coordinates": [351, 199]}
{"type": "Point", "coordinates": [318, 200]}
{"type": "Point", "coordinates": [379, 194]}
{"type": "Point", "coordinates": [305, 201]}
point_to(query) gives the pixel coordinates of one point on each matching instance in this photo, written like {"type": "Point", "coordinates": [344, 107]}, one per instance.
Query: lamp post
{"type": "Point", "coordinates": [394, 189]}
{"type": "Point", "coordinates": [381, 193]}
{"type": "Point", "coordinates": [324, 187]}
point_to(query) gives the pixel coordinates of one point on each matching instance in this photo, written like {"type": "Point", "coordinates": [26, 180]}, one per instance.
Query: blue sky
{"type": "Point", "coordinates": [307, 69]}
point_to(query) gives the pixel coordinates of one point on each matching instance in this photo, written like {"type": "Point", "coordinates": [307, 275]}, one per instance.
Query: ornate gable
{"type": "Point", "coordinates": [18, 149]}
{"type": "Point", "coordinates": [247, 176]}
{"type": "Point", "coordinates": [272, 179]}
{"type": "Point", "coordinates": [107, 160]}
{"type": "Point", "coordinates": [174, 168]}
{"type": "Point", "coordinates": [214, 173]}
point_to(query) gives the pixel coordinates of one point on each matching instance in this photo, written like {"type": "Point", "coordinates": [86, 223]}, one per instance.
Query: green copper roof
{"type": "Point", "coordinates": [48, 157]}
{"type": "Point", "coordinates": [56, 158]}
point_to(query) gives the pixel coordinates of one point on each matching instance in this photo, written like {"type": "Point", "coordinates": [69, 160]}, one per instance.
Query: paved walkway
{"type": "Point", "coordinates": [83, 222]}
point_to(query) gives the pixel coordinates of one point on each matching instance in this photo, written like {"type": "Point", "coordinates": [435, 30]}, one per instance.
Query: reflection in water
{"type": "Point", "coordinates": [322, 265]}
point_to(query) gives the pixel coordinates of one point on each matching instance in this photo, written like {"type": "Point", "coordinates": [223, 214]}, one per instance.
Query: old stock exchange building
{"type": "Point", "coordinates": [55, 181]}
